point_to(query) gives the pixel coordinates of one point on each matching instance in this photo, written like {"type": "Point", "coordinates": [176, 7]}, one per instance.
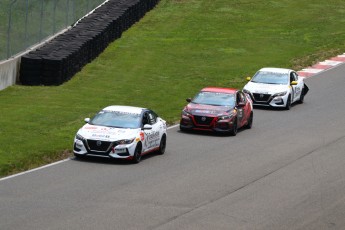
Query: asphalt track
{"type": "Point", "coordinates": [287, 172]}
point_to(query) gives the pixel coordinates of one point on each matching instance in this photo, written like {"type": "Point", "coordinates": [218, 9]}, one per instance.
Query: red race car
{"type": "Point", "coordinates": [218, 109]}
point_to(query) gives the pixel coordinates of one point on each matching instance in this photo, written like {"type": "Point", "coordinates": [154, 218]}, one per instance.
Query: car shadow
{"type": "Point", "coordinates": [257, 107]}
{"type": "Point", "coordinates": [111, 161]}
{"type": "Point", "coordinates": [209, 133]}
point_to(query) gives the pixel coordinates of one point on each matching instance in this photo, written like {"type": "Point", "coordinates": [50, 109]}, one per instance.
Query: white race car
{"type": "Point", "coordinates": [122, 132]}
{"type": "Point", "coordinates": [276, 87]}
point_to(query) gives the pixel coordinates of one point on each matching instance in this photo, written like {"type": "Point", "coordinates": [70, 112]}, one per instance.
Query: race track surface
{"type": "Point", "coordinates": [287, 172]}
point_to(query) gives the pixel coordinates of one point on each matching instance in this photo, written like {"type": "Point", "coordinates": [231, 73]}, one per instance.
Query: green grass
{"type": "Point", "coordinates": [176, 49]}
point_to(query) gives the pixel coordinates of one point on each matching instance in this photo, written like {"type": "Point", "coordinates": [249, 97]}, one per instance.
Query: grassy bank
{"type": "Point", "coordinates": [176, 49]}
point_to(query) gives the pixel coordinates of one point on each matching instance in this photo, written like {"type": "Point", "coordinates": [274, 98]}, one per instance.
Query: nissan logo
{"type": "Point", "coordinates": [261, 95]}
{"type": "Point", "coordinates": [203, 118]}
{"type": "Point", "coordinates": [99, 143]}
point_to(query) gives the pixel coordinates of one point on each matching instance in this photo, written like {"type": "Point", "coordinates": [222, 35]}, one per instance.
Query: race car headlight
{"type": "Point", "coordinates": [246, 91]}
{"type": "Point", "coordinates": [185, 113]}
{"type": "Point", "coordinates": [280, 94]}
{"type": "Point", "coordinates": [225, 117]}
{"type": "Point", "coordinates": [79, 137]}
{"type": "Point", "coordinates": [125, 141]}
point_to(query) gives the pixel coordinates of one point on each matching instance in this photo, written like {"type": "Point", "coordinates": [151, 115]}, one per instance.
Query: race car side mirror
{"type": "Point", "coordinates": [294, 83]}
{"type": "Point", "coordinates": [189, 100]}
{"type": "Point", "coordinates": [87, 120]}
{"type": "Point", "coordinates": [147, 127]}
{"type": "Point", "coordinates": [241, 104]}
{"type": "Point", "coordinates": [248, 78]}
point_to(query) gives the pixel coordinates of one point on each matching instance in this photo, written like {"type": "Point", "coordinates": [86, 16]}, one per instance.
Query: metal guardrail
{"type": "Point", "coordinates": [24, 23]}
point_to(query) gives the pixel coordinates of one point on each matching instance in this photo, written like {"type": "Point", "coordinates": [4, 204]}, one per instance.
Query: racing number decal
{"type": "Point", "coordinates": [240, 113]}
{"type": "Point", "coordinates": [297, 90]}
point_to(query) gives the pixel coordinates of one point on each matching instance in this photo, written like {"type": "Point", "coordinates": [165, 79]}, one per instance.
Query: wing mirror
{"type": "Point", "coordinates": [294, 83]}
{"type": "Point", "coordinates": [189, 100]}
{"type": "Point", "coordinates": [147, 127]}
{"type": "Point", "coordinates": [87, 120]}
{"type": "Point", "coordinates": [241, 104]}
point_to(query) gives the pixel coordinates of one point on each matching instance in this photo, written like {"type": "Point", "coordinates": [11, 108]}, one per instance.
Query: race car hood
{"type": "Point", "coordinates": [207, 110]}
{"type": "Point", "coordinates": [265, 88]}
{"type": "Point", "coordinates": [106, 133]}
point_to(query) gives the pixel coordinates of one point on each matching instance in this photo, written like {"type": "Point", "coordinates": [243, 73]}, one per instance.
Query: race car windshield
{"type": "Point", "coordinates": [271, 78]}
{"type": "Point", "coordinates": [117, 119]}
{"type": "Point", "coordinates": [213, 98]}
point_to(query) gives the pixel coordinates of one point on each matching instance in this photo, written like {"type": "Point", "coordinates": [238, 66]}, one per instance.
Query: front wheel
{"type": "Point", "coordinates": [233, 132]}
{"type": "Point", "coordinates": [162, 145]}
{"type": "Point", "coordinates": [183, 129]}
{"type": "Point", "coordinates": [79, 156]}
{"type": "Point", "coordinates": [288, 103]}
{"type": "Point", "coordinates": [137, 155]}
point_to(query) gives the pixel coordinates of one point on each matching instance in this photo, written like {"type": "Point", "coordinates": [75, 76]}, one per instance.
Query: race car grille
{"type": "Point", "coordinates": [261, 97]}
{"type": "Point", "coordinates": [99, 146]}
{"type": "Point", "coordinates": [202, 120]}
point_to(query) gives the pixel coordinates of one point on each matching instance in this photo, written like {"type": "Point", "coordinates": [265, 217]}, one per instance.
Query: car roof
{"type": "Point", "coordinates": [276, 70]}
{"type": "Point", "coordinates": [124, 108]}
{"type": "Point", "coordinates": [219, 90]}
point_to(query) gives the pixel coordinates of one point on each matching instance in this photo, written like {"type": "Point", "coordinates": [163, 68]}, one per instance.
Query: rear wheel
{"type": "Point", "coordinates": [137, 154]}
{"type": "Point", "coordinates": [162, 145]}
{"type": "Point", "coordinates": [301, 99]}
{"type": "Point", "coordinates": [250, 121]}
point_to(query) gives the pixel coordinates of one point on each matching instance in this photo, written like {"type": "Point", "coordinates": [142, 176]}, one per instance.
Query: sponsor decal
{"type": "Point", "coordinates": [121, 112]}
{"type": "Point", "coordinates": [142, 136]}
{"type": "Point", "coordinates": [100, 135]}
{"type": "Point", "coordinates": [205, 111]}
{"type": "Point", "coordinates": [152, 139]}
{"type": "Point", "coordinates": [240, 113]}
{"type": "Point", "coordinates": [153, 136]}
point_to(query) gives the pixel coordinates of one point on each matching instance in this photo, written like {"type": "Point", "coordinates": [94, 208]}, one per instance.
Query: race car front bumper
{"type": "Point", "coordinates": [220, 126]}
{"type": "Point", "coordinates": [278, 101]}
{"type": "Point", "coordinates": [121, 151]}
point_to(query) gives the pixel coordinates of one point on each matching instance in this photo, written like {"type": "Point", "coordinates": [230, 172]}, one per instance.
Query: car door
{"type": "Point", "coordinates": [243, 112]}
{"type": "Point", "coordinates": [151, 139]}
{"type": "Point", "coordinates": [296, 89]}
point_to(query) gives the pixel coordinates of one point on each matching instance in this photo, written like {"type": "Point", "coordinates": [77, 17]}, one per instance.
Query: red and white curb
{"type": "Point", "coordinates": [322, 66]}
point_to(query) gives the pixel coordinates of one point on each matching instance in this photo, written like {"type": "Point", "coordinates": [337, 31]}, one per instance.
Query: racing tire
{"type": "Point", "coordinates": [250, 121]}
{"type": "Point", "coordinates": [183, 129]}
{"type": "Point", "coordinates": [234, 130]}
{"type": "Point", "coordinates": [288, 103]}
{"type": "Point", "coordinates": [78, 156]}
{"type": "Point", "coordinates": [162, 145]}
{"type": "Point", "coordinates": [137, 154]}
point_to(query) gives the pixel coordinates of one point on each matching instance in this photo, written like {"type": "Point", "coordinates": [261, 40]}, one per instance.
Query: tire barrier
{"type": "Point", "coordinates": [61, 58]}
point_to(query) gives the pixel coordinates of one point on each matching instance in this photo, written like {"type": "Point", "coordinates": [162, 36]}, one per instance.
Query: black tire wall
{"type": "Point", "coordinates": [61, 58]}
